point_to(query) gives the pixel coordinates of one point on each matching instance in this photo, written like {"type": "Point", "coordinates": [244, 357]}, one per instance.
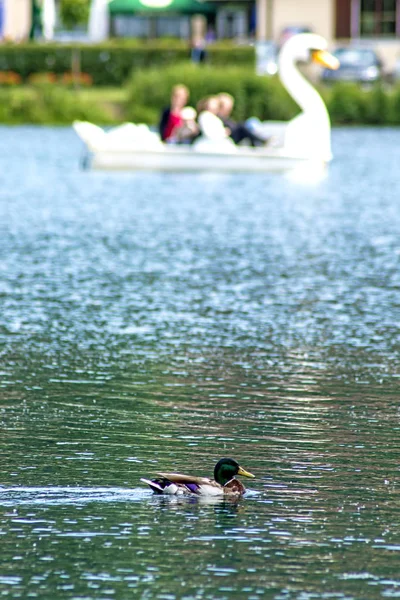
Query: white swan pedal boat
{"type": "Point", "coordinates": [306, 139]}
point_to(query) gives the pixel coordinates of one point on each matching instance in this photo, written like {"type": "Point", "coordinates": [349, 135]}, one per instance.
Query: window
{"type": "Point", "coordinates": [152, 26]}
{"type": "Point", "coordinates": [378, 17]}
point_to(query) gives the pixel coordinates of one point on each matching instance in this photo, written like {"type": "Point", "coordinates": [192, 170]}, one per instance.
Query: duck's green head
{"type": "Point", "coordinates": [226, 469]}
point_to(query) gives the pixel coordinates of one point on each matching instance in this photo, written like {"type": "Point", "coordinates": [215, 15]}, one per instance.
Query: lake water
{"type": "Point", "coordinates": [154, 322]}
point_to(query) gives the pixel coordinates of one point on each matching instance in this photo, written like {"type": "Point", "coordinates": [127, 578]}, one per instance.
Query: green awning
{"type": "Point", "coordinates": [189, 7]}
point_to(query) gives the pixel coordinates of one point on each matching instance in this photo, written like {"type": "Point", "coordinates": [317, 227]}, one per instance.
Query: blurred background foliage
{"type": "Point", "coordinates": [52, 93]}
{"type": "Point", "coordinates": [111, 63]}
{"type": "Point", "coordinates": [257, 96]}
{"type": "Point", "coordinates": [74, 12]}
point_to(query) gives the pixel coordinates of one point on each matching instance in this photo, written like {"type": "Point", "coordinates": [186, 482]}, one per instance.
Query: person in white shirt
{"type": "Point", "coordinates": [210, 125]}
{"type": "Point", "coordinates": [238, 131]}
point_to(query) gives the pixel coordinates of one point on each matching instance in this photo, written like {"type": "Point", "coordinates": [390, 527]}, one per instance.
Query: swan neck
{"type": "Point", "coordinates": [310, 132]}
{"type": "Point", "coordinates": [298, 87]}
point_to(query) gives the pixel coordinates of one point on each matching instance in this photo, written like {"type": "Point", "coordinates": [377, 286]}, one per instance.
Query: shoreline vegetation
{"type": "Point", "coordinates": [49, 98]}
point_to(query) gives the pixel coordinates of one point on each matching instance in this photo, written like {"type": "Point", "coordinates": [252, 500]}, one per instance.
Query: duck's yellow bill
{"type": "Point", "coordinates": [326, 59]}
{"type": "Point", "coordinates": [245, 473]}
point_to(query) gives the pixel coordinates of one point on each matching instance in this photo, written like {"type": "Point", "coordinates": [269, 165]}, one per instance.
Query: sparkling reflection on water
{"type": "Point", "coordinates": [156, 322]}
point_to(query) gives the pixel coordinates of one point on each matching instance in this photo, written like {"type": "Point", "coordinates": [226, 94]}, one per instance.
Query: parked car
{"type": "Point", "coordinates": [71, 37]}
{"type": "Point", "coordinates": [362, 65]}
{"type": "Point", "coordinates": [266, 58]}
{"type": "Point", "coordinates": [394, 76]}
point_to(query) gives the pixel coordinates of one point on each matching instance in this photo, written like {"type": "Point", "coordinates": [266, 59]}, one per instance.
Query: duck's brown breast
{"type": "Point", "coordinates": [234, 486]}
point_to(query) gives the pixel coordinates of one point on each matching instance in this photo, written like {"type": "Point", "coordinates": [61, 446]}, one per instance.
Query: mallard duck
{"type": "Point", "coordinates": [224, 481]}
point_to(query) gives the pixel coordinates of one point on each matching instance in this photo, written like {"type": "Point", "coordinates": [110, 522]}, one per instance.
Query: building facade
{"type": "Point", "coordinates": [367, 19]}
{"type": "Point", "coordinates": [376, 21]}
{"type": "Point", "coordinates": [16, 19]}
{"type": "Point", "coordinates": [274, 15]}
{"type": "Point", "coordinates": [334, 19]}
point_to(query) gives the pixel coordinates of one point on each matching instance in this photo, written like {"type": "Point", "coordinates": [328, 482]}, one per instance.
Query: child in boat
{"type": "Point", "coordinates": [210, 125]}
{"type": "Point", "coordinates": [171, 118]}
{"type": "Point", "coordinates": [189, 131]}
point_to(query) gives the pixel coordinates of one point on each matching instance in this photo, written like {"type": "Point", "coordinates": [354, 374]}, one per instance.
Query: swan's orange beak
{"type": "Point", "coordinates": [326, 59]}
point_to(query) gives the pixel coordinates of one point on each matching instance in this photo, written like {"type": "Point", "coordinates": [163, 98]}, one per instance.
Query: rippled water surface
{"type": "Point", "coordinates": [154, 322]}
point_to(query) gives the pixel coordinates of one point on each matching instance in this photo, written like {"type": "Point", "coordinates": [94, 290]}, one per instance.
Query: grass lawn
{"type": "Point", "coordinates": [59, 105]}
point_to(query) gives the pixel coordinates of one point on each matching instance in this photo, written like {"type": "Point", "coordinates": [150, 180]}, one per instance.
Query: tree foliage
{"type": "Point", "coordinates": [74, 12]}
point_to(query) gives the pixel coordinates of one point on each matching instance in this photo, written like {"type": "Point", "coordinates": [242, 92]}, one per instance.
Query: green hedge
{"type": "Point", "coordinates": [111, 63]}
{"type": "Point", "coordinates": [349, 103]}
{"type": "Point", "coordinates": [149, 91]}
{"type": "Point", "coordinates": [53, 105]}
{"type": "Point", "coordinates": [264, 97]}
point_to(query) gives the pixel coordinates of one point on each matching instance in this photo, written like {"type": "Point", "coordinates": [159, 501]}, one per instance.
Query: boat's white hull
{"type": "Point", "coordinates": [175, 159]}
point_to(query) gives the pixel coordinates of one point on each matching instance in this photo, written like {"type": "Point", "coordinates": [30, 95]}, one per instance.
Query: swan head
{"type": "Point", "coordinates": [306, 47]}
